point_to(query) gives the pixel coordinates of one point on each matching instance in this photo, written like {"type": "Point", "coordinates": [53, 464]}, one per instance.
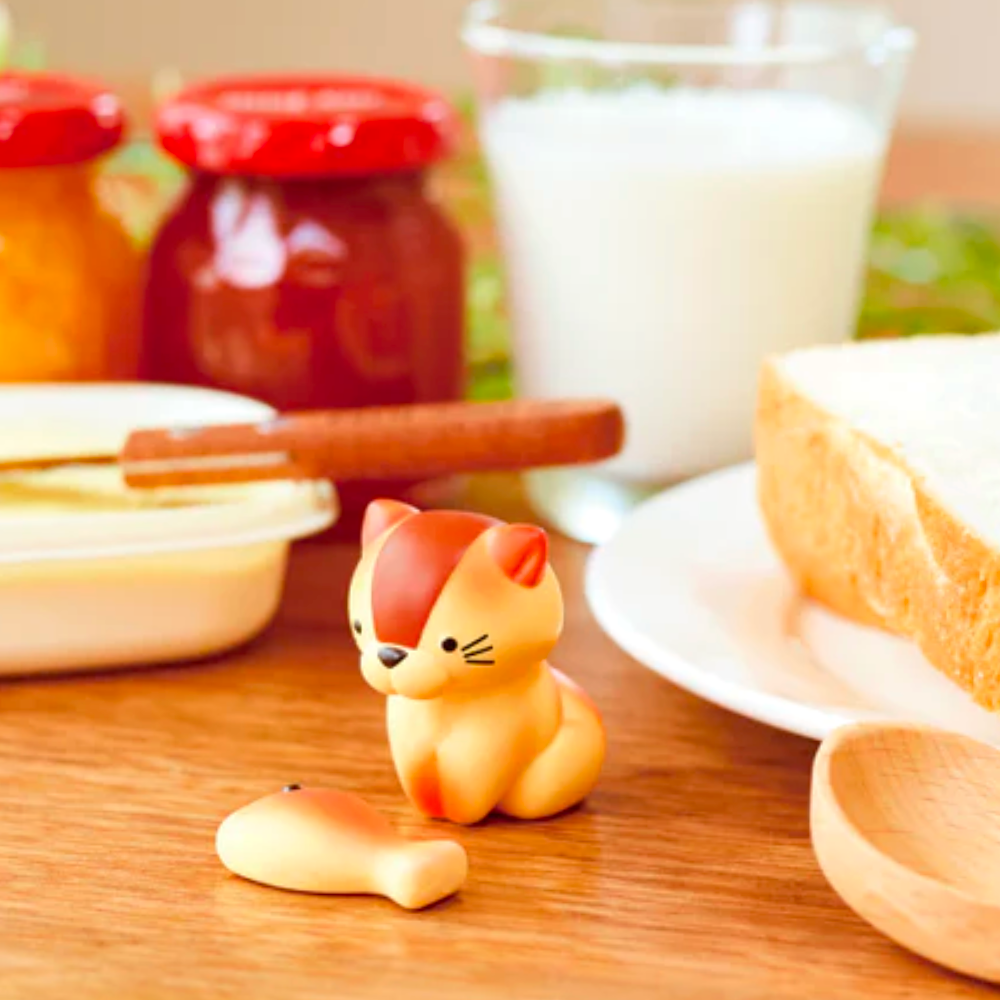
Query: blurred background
{"type": "Point", "coordinates": [935, 253]}
{"type": "Point", "coordinates": [952, 84]}
{"type": "Point", "coordinates": [138, 46]}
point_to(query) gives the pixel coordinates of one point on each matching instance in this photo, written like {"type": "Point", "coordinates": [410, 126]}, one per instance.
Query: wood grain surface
{"type": "Point", "coordinates": [689, 872]}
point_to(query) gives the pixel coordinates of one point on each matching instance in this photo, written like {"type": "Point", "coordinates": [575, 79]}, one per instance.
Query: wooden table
{"type": "Point", "coordinates": [688, 873]}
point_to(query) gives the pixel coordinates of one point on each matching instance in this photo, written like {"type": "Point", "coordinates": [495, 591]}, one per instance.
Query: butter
{"type": "Point", "coordinates": [89, 490]}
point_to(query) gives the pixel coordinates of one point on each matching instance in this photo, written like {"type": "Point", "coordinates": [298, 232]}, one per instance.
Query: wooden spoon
{"type": "Point", "coordinates": [906, 827]}
{"type": "Point", "coordinates": [367, 443]}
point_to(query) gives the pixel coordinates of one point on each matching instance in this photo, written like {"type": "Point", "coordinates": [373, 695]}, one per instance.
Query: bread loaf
{"type": "Point", "coordinates": [879, 482]}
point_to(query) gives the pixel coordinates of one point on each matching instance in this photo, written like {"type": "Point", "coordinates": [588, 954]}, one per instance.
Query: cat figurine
{"type": "Point", "coordinates": [454, 614]}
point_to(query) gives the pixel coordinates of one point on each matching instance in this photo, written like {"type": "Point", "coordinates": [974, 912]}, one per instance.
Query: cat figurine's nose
{"type": "Point", "coordinates": [390, 656]}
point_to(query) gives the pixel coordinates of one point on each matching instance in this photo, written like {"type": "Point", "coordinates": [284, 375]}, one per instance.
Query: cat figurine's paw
{"type": "Point", "coordinates": [455, 614]}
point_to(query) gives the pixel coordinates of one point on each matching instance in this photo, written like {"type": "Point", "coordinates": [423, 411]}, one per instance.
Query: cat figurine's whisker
{"type": "Point", "coordinates": [478, 652]}
{"type": "Point", "coordinates": [475, 642]}
{"type": "Point", "coordinates": [484, 645]}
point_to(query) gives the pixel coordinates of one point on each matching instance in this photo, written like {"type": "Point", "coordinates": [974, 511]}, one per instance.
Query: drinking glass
{"type": "Point", "coordinates": [681, 189]}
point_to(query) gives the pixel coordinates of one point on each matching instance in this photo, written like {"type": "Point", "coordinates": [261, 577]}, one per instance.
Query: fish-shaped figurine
{"type": "Point", "coordinates": [323, 840]}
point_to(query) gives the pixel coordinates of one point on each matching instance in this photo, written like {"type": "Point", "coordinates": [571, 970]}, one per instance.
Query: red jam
{"type": "Point", "coordinates": [308, 266]}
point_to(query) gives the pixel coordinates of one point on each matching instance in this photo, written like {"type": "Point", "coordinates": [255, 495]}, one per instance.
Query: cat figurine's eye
{"type": "Point", "coordinates": [357, 626]}
{"type": "Point", "coordinates": [449, 645]}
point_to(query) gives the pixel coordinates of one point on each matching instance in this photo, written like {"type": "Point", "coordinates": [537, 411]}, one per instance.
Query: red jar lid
{"type": "Point", "coordinates": [48, 120]}
{"type": "Point", "coordinates": [295, 127]}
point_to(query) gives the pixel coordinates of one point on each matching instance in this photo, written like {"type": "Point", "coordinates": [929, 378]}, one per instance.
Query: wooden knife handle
{"type": "Point", "coordinates": [399, 442]}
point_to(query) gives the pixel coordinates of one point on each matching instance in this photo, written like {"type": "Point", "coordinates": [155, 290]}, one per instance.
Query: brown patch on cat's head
{"type": "Point", "coordinates": [413, 566]}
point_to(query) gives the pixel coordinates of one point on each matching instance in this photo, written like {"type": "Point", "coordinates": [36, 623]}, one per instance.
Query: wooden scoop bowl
{"type": "Point", "coordinates": [906, 827]}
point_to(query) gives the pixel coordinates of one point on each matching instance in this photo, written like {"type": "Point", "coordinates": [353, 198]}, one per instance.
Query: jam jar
{"type": "Point", "coordinates": [308, 264]}
{"type": "Point", "coordinates": [70, 276]}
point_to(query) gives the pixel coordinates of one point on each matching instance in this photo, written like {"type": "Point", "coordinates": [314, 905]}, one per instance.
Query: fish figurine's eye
{"type": "Point", "coordinates": [357, 626]}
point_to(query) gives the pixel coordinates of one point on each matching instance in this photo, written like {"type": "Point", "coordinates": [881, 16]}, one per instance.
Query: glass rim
{"type": "Point", "coordinates": [481, 33]}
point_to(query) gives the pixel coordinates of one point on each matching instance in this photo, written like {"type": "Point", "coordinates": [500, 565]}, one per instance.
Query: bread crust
{"type": "Point", "coordinates": [861, 535]}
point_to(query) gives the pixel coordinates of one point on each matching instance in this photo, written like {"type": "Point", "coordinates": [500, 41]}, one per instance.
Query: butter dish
{"type": "Point", "coordinates": [95, 576]}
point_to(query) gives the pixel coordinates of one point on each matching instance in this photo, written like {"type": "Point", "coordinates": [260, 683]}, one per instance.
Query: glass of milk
{"type": "Point", "coordinates": [681, 188]}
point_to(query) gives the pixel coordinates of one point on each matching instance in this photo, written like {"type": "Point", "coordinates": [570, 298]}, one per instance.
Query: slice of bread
{"type": "Point", "coordinates": [879, 481]}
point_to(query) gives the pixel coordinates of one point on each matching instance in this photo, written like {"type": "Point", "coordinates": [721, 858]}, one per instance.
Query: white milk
{"type": "Point", "coordinates": [660, 243]}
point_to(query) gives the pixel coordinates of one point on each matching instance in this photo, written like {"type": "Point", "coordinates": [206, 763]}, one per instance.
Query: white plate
{"type": "Point", "coordinates": [691, 587]}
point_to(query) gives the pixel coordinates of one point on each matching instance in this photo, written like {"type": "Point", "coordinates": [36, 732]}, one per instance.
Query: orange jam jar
{"type": "Point", "coordinates": [309, 264]}
{"type": "Point", "coordinates": [70, 277]}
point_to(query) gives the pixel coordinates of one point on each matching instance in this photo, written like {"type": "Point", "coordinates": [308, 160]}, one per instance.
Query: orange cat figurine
{"type": "Point", "coordinates": [454, 614]}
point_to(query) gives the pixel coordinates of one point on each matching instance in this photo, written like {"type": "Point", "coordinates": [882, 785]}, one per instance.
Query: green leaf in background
{"type": "Point", "coordinates": [487, 320]}
{"type": "Point", "coordinates": [139, 183]}
{"type": "Point", "coordinates": [490, 382]}
{"type": "Point", "coordinates": [932, 271]}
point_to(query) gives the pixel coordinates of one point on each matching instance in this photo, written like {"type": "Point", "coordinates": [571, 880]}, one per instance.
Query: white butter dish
{"type": "Point", "coordinates": [95, 576]}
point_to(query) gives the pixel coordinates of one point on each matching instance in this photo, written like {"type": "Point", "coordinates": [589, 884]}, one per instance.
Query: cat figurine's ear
{"type": "Point", "coordinates": [380, 516]}
{"type": "Point", "coordinates": [521, 551]}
